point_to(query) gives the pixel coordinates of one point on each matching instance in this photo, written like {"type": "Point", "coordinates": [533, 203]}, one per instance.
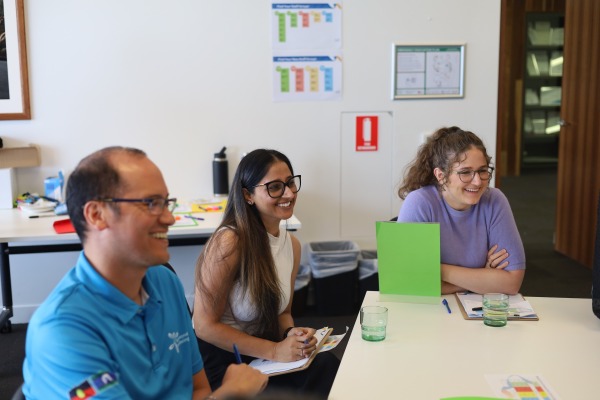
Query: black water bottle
{"type": "Point", "coordinates": [220, 174]}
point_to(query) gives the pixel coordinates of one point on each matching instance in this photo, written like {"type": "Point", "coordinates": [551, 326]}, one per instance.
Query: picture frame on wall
{"type": "Point", "coordinates": [14, 80]}
{"type": "Point", "coordinates": [426, 71]}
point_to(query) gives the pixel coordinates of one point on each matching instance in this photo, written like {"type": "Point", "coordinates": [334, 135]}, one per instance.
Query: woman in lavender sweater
{"type": "Point", "coordinates": [448, 183]}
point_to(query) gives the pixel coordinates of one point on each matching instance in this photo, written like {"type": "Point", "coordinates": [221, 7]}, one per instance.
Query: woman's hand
{"type": "Point", "coordinates": [299, 344]}
{"type": "Point", "coordinates": [496, 259]}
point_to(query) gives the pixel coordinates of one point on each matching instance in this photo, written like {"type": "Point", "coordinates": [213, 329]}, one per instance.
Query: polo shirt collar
{"type": "Point", "coordinates": [109, 297]}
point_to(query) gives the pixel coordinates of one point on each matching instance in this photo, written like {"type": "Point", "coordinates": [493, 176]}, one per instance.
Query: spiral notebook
{"type": "Point", "coordinates": [277, 368]}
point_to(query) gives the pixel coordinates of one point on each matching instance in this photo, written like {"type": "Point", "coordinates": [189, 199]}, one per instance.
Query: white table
{"type": "Point", "coordinates": [22, 235]}
{"type": "Point", "coordinates": [430, 354]}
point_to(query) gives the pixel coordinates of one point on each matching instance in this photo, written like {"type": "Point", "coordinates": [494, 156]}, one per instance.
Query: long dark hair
{"type": "Point", "coordinates": [442, 150]}
{"type": "Point", "coordinates": [256, 273]}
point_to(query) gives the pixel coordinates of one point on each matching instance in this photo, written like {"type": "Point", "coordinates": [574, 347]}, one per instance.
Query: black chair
{"type": "Point", "coordinates": [18, 394]}
{"type": "Point", "coordinates": [169, 266]}
{"type": "Point", "coordinates": [596, 268]}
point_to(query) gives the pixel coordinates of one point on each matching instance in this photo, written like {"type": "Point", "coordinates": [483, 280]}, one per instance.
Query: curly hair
{"type": "Point", "coordinates": [442, 150]}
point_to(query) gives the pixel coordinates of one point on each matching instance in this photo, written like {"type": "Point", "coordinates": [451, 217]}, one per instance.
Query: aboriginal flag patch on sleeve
{"type": "Point", "coordinates": [93, 385]}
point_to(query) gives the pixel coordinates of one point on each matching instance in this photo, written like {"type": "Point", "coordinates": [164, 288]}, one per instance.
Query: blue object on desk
{"type": "Point", "coordinates": [445, 302]}
{"type": "Point", "coordinates": [61, 209]}
{"type": "Point", "coordinates": [196, 218]}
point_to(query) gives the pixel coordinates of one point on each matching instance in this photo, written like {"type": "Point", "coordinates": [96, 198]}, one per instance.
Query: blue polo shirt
{"type": "Point", "coordinates": [89, 340]}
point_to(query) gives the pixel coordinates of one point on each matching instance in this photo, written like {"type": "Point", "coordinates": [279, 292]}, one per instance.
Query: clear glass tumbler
{"type": "Point", "coordinates": [495, 309]}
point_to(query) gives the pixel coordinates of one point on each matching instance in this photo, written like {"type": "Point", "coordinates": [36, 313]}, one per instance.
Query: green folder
{"type": "Point", "coordinates": [409, 261]}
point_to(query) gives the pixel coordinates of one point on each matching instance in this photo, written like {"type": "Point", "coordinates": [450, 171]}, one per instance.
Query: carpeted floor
{"type": "Point", "coordinates": [533, 200]}
{"type": "Point", "coordinates": [12, 346]}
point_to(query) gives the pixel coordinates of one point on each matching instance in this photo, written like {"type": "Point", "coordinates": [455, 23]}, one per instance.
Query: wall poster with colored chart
{"type": "Point", "coordinates": [422, 71]}
{"type": "Point", "coordinates": [306, 42]}
{"type": "Point", "coordinates": [308, 25]}
{"type": "Point", "coordinates": [307, 78]}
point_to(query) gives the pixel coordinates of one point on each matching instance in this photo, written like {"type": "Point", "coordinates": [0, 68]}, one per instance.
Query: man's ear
{"type": "Point", "coordinates": [439, 175]}
{"type": "Point", "coordinates": [95, 214]}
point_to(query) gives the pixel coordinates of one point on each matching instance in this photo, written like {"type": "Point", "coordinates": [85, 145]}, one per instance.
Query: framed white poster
{"type": "Point", "coordinates": [425, 71]}
{"type": "Point", "coordinates": [14, 83]}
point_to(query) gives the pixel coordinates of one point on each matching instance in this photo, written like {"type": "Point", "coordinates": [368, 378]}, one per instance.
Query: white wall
{"type": "Point", "coordinates": [182, 79]}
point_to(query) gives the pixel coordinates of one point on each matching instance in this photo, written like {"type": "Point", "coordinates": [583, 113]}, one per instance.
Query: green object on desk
{"type": "Point", "coordinates": [409, 260]}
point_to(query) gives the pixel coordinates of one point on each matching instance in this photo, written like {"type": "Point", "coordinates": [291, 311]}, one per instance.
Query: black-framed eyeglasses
{"type": "Point", "coordinates": [156, 205]}
{"type": "Point", "coordinates": [466, 176]}
{"type": "Point", "coordinates": [276, 189]}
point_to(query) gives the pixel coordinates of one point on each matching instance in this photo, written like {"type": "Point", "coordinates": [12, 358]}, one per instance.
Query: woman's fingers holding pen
{"type": "Point", "coordinates": [287, 350]}
{"type": "Point", "coordinates": [308, 341]}
{"type": "Point", "coordinates": [299, 344]}
{"type": "Point", "coordinates": [292, 348]}
{"type": "Point", "coordinates": [302, 331]}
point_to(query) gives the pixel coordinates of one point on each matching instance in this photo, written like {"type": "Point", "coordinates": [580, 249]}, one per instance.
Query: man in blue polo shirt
{"type": "Point", "coordinates": [117, 325]}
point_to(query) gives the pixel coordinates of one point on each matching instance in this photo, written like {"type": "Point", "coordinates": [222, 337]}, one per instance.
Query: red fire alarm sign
{"type": "Point", "coordinates": [366, 133]}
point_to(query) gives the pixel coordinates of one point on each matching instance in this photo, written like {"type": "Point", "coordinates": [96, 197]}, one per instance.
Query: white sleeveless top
{"type": "Point", "coordinates": [242, 310]}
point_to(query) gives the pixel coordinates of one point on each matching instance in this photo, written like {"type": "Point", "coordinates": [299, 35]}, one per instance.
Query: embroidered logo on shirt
{"type": "Point", "coordinates": [93, 385]}
{"type": "Point", "coordinates": [178, 340]}
{"type": "Point", "coordinates": [103, 380]}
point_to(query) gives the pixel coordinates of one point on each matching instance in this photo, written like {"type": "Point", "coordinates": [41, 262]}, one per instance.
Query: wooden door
{"type": "Point", "coordinates": [513, 33]}
{"type": "Point", "coordinates": [578, 185]}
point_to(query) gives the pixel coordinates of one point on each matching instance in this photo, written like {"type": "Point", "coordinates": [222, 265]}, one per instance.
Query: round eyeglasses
{"type": "Point", "coordinates": [156, 205]}
{"type": "Point", "coordinates": [276, 189]}
{"type": "Point", "coordinates": [467, 176]}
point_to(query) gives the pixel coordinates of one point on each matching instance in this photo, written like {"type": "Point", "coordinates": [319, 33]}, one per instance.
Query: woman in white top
{"type": "Point", "coordinates": [245, 279]}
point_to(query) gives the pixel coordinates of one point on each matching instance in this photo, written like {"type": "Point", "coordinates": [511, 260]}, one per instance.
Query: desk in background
{"type": "Point", "coordinates": [22, 235]}
{"type": "Point", "coordinates": [430, 354]}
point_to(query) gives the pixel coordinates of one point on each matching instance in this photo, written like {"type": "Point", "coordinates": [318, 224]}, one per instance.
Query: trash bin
{"type": "Point", "coordinates": [301, 291]}
{"type": "Point", "coordinates": [334, 268]}
{"type": "Point", "coordinates": [368, 276]}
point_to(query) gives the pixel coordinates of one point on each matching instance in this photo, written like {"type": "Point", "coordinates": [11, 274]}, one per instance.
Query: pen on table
{"type": "Point", "coordinates": [49, 199]}
{"type": "Point", "coordinates": [192, 217]}
{"type": "Point", "coordinates": [445, 302]}
{"type": "Point", "coordinates": [236, 352]}
{"type": "Point", "coordinates": [42, 215]}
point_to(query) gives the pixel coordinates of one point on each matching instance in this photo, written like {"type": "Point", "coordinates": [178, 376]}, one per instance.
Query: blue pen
{"type": "Point", "coordinates": [236, 352]}
{"type": "Point", "coordinates": [192, 217]}
{"type": "Point", "coordinates": [445, 302]}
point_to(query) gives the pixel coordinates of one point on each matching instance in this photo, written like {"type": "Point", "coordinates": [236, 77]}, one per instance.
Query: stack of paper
{"type": "Point", "coordinates": [41, 208]}
{"type": "Point", "coordinates": [275, 368]}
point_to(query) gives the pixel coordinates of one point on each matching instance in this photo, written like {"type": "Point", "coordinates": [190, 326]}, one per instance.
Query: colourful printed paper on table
{"type": "Point", "coordinates": [208, 206]}
{"type": "Point", "coordinates": [518, 386]}
{"type": "Point", "coordinates": [409, 261]}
